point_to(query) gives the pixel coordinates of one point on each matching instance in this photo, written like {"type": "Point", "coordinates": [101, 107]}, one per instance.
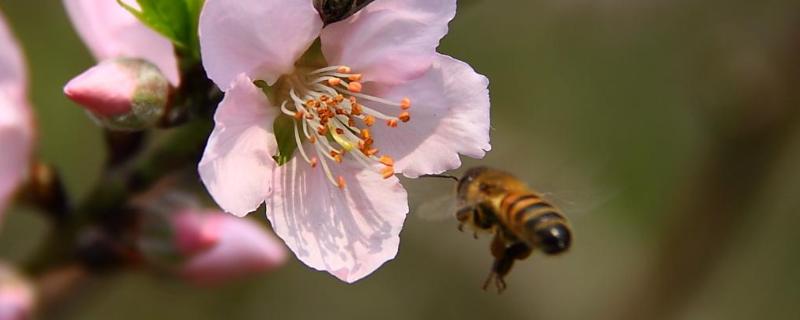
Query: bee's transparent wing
{"type": "Point", "coordinates": [435, 209]}
{"type": "Point", "coordinates": [578, 203]}
{"type": "Point", "coordinates": [432, 199]}
{"type": "Point", "coordinates": [577, 193]}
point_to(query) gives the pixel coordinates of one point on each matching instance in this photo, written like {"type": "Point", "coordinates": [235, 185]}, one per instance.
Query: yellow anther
{"type": "Point", "coordinates": [344, 69]}
{"type": "Point", "coordinates": [404, 116]}
{"type": "Point", "coordinates": [387, 172]}
{"type": "Point", "coordinates": [354, 86]}
{"type": "Point", "coordinates": [369, 120]}
{"type": "Point", "coordinates": [354, 77]}
{"type": "Point", "coordinates": [405, 103]}
{"type": "Point", "coordinates": [356, 109]}
{"type": "Point", "coordinates": [334, 81]}
{"type": "Point", "coordinates": [370, 152]}
{"type": "Point", "coordinates": [298, 115]}
{"type": "Point", "coordinates": [392, 123]}
{"type": "Point", "coordinates": [313, 162]}
{"type": "Point", "coordinates": [340, 182]}
{"type": "Point", "coordinates": [365, 133]}
{"type": "Point", "coordinates": [387, 160]}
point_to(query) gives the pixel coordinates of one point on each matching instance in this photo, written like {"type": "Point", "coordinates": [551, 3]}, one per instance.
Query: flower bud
{"type": "Point", "coordinates": [195, 233]}
{"type": "Point", "coordinates": [337, 10]}
{"type": "Point", "coordinates": [16, 296]}
{"type": "Point", "coordinates": [122, 93]}
{"type": "Point", "coordinates": [242, 248]}
{"type": "Point", "coordinates": [210, 247]}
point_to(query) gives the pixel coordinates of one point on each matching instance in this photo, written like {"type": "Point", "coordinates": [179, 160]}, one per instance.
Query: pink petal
{"type": "Point", "coordinates": [16, 138]}
{"type": "Point", "coordinates": [237, 161]}
{"type": "Point", "coordinates": [449, 116]}
{"type": "Point", "coordinates": [110, 31]}
{"type": "Point", "coordinates": [244, 248]}
{"type": "Point", "coordinates": [16, 124]}
{"type": "Point", "coordinates": [13, 76]}
{"type": "Point", "coordinates": [348, 233]}
{"type": "Point", "coordinates": [390, 41]}
{"type": "Point", "coordinates": [261, 38]}
{"type": "Point", "coordinates": [17, 295]}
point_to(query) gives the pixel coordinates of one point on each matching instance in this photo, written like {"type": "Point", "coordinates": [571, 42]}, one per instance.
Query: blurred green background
{"type": "Point", "coordinates": [671, 124]}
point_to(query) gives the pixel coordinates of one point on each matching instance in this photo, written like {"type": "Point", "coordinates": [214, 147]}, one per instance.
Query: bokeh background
{"type": "Point", "coordinates": [669, 126]}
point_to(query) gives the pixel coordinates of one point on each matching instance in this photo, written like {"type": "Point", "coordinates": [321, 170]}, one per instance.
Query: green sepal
{"type": "Point", "coordinates": [175, 19]}
{"type": "Point", "coordinates": [284, 134]}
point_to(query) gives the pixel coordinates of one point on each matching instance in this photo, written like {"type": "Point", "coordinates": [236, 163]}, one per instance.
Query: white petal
{"type": "Point", "coordinates": [261, 38]}
{"type": "Point", "coordinates": [237, 163]}
{"type": "Point", "coordinates": [449, 116]}
{"type": "Point", "coordinates": [390, 41]}
{"type": "Point", "coordinates": [348, 233]}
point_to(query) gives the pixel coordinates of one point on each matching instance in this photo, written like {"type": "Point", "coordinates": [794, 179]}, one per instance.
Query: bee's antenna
{"type": "Point", "coordinates": [446, 176]}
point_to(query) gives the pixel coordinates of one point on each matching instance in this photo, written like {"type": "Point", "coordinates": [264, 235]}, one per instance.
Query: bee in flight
{"type": "Point", "coordinates": [493, 201]}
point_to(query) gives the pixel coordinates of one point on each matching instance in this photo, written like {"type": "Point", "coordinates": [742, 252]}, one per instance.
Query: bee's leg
{"type": "Point", "coordinates": [498, 248]}
{"type": "Point", "coordinates": [505, 260]}
{"type": "Point", "coordinates": [463, 216]}
{"type": "Point", "coordinates": [500, 269]}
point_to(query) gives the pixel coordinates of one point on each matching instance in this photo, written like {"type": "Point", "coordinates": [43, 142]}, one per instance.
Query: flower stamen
{"type": "Point", "coordinates": [329, 103]}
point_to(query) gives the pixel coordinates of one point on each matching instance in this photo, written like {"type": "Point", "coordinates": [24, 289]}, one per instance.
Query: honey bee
{"type": "Point", "coordinates": [521, 220]}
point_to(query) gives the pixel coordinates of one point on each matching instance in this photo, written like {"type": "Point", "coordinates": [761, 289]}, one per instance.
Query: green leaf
{"type": "Point", "coordinates": [175, 19]}
{"type": "Point", "coordinates": [284, 134]}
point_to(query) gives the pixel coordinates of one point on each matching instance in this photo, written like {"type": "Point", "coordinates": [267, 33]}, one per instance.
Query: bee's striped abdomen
{"type": "Point", "coordinates": [522, 211]}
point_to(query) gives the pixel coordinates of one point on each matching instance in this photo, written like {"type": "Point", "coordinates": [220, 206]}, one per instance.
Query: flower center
{"type": "Point", "coordinates": [325, 104]}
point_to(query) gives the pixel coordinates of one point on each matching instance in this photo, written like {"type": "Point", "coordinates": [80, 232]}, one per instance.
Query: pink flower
{"type": "Point", "coordinates": [16, 295]}
{"type": "Point", "coordinates": [381, 101]}
{"type": "Point", "coordinates": [16, 123]}
{"type": "Point", "coordinates": [110, 31]}
{"type": "Point", "coordinates": [221, 247]}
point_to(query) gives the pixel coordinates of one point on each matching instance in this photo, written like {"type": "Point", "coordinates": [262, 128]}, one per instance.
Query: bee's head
{"type": "Point", "coordinates": [469, 179]}
{"type": "Point", "coordinates": [553, 238]}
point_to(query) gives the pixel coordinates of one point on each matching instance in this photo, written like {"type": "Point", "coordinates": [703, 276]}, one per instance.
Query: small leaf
{"type": "Point", "coordinates": [284, 134]}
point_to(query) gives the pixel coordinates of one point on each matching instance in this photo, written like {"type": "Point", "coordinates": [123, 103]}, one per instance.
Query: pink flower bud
{"type": "Point", "coordinates": [123, 93]}
{"type": "Point", "coordinates": [16, 296]}
{"type": "Point", "coordinates": [240, 247]}
{"type": "Point", "coordinates": [195, 233]}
